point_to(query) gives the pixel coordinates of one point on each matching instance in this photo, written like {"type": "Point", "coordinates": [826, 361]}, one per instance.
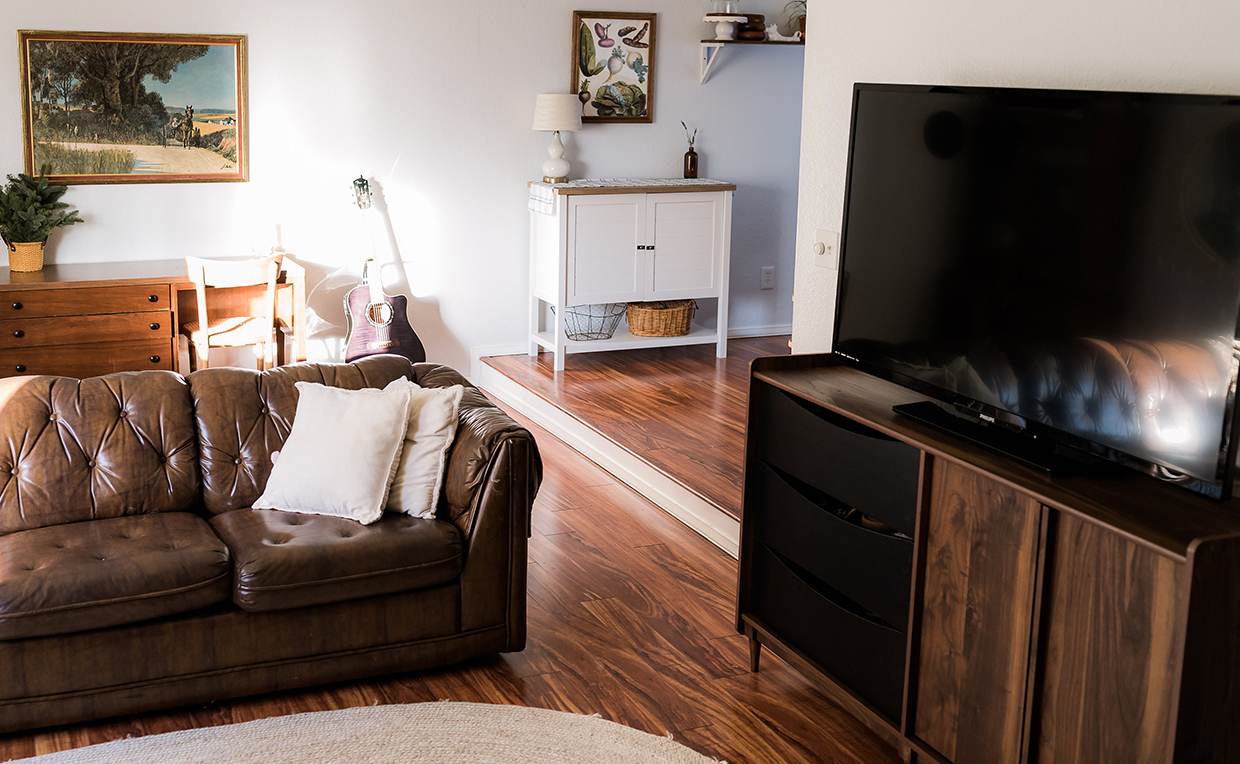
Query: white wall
{"type": "Point", "coordinates": [1139, 45]}
{"type": "Point", "coordinates": [433, 102]}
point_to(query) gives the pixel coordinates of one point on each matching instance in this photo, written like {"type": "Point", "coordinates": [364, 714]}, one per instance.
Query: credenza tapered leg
{"type": "Point", "coordinates": [755, 650]}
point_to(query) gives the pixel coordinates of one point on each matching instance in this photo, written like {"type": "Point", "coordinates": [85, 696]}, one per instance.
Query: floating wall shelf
{"type": "Point", "coordinates": [712, 48]}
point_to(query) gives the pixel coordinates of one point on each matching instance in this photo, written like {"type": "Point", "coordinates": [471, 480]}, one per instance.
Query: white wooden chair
{"type": "Point", "coordinates": [230, 322]}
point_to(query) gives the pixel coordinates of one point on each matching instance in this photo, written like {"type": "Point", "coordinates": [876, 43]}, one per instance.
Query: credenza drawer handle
{"type": "Point", "coordinates": [17, 306]}
{"type": "Point", "coordinates": [19, 334]}
{"type": "Point", "coordinates": [20, 368]}
{"type": "Point", "coordinates": [153, 298]}
{"type": "Point", "coordinates": [154, 359]}
{"type": "Point", "coordinates": [154, 327]}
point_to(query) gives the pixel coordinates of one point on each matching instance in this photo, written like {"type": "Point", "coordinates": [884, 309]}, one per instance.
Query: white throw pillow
{"type": "Point", "coordinates": [431, 429]}
{"type": "Point", "coordinates": [341, 454]}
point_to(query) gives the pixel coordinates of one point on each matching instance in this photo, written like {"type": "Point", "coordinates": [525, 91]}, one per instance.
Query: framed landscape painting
{"type": "Point", "coordinates": [102, 107]}
{"type": "Point", "coordinates": [613, 65]}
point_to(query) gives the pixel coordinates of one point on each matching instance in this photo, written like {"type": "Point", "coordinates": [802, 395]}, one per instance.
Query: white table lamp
{"type": "Point", "coordinates": [555, 112]}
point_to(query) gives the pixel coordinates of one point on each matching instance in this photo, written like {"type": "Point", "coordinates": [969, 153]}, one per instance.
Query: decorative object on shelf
{"type": "Point", "coordinates": [555, 112]}
{"type": "Point", "coordinates": [134, 137]}
{"type": "Point", "coordinates": [796, 17]}
{"type": "Point", "coordinates": [29, 211]}
{"type": "Point", "coordinates": [753, 28]}
{"type": "Point", "coordinates": [725, 26]}
{"type": "Point", "coordinates": [773, 35]}
{"type": "Point", "coordinates": [724, 8]}
{"type": "Point", "coordinates": [613, 65]}
{"type": "Point", "coordinates": [662, 318]}
{"type": "Point", "coordinates": [691, 157]}
{"type": "Point", "coordinates": [584, 323]}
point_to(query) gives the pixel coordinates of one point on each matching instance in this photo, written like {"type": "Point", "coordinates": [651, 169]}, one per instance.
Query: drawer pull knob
{"type": "Point", "coordinates": [153, 298]}
{"type": "Point", "coordinates": [20, 368]}
{"type": "Point", "coordinates": [154, 327]}
{"type": "Point", "coordinates": [154, 359]}
{"type": "Point", "coordinates": [17, 306]}
{"type": "Point", "coordinates": [19, 334]}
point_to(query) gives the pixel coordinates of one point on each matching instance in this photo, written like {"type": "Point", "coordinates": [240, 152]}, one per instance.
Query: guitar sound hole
{"type": "Point", "coordinates": [380, 313]}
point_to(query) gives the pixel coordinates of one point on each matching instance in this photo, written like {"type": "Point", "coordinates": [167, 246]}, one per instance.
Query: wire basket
{"type": "Point", "coordinates": [592, 322]}
{"type": "Point", "coordinates": [666, 318]}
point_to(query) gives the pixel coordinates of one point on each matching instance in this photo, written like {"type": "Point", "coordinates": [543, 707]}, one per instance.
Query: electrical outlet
{"type": "Point", "coordinates": [827, 249]}
{"type": "Point", "coordinates": [768, 278]}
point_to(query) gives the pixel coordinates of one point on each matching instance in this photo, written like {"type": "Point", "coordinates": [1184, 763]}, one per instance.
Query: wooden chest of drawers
{"type": "Point", "coordinates": [58, 321]}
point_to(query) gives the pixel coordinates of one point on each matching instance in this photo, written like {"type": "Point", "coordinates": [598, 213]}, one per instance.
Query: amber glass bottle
{"type": "Point", "coordinates": [690, 164]}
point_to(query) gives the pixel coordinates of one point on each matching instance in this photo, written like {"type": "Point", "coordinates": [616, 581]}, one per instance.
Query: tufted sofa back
{"type": "Point", "coordinates": [74, 450]}
{"type": "Point", "coordinates": [245, 415]}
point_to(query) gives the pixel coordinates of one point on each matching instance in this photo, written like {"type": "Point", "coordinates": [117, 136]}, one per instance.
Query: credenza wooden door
{"type": "Point", "coordinates": [977, 616]}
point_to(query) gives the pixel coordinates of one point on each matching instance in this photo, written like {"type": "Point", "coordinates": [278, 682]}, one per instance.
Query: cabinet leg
{"type": "Point", "coordinates": [755, 651]}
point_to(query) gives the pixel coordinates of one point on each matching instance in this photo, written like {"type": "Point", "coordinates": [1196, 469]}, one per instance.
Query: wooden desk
{"type": "Point", "coordinates": [87, 319]}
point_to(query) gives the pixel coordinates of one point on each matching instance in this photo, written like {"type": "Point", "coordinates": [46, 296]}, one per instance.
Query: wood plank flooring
{"type": "Point", "coordinates": [630, 616]}
{"type": "Point", "coordinates": [680, 409]}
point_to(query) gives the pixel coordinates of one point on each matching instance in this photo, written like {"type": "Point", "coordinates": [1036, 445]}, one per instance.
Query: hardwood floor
{"type": "Point", "coordinates": [679, 409]}
{"type": "Point", "coordinates": [630, 616]}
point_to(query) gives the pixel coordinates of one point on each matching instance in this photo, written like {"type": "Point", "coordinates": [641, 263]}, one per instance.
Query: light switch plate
{"type": "Point", "coordinates": [827, 249]}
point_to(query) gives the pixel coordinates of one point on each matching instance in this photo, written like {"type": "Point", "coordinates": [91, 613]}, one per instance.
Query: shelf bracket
{"type": "Point", "coordinates": [710, 54]}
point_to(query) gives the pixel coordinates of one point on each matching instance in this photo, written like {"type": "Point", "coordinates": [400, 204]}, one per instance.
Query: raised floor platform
{"type": "Point", "coordinates": [669, 422]}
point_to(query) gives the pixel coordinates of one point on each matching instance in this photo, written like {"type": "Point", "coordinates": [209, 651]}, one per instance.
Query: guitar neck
{"type": "Point", "coordinates": [370, 273]}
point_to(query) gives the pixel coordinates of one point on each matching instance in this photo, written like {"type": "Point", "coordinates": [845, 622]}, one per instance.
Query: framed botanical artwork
{"type": "Point", "coordinates": [613, 65]}
{"type": "Point", "coordinates": [104, 107]}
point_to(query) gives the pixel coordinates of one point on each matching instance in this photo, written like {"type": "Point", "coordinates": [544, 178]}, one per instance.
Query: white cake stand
{"type": "Point", "coordinates": [725, 26]}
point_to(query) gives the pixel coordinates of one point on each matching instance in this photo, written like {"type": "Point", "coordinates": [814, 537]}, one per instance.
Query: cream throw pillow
{"type": "Point", "coordinates": [341, 454]}
{"type": "Point", "coordinates": [433, 415]}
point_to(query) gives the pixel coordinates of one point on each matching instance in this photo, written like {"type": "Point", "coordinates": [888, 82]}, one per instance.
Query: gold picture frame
{"type": "Point", "coordinates": [175, 111]}
{"type": "Point", "coordinates": [613, 65]}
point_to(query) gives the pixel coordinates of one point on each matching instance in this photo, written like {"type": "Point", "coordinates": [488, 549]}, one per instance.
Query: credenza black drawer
{"type": "Point", "coordinates": [856, 465]}
{"type": "Point", "coordinates": [873, 569]}
{"type": "Point", "coordinates": [860, 653]}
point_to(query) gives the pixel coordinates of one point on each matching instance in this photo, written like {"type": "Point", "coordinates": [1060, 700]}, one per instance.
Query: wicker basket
{"type": "Point", "coordinates": [26, 256]}
{"type": "Point", "coordinates": [661, 319]}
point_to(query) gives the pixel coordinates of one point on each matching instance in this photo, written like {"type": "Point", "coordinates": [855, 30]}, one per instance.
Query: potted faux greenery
{"type": "Point", "coordinates": [29, 211]}
{"type": "Point", "coordinates": [796, 16]}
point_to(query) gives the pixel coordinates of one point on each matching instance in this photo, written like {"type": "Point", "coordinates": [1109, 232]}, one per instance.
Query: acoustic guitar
{"type": "Point", "coordinates": [378, 323]}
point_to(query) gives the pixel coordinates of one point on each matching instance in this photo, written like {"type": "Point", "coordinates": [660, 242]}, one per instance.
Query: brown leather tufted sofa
{"type": "Point", "coordinates": [134, 575]}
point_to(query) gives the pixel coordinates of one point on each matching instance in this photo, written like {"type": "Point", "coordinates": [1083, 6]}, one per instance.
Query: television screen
{"type": "Point", "coordinates": [1068, 262]}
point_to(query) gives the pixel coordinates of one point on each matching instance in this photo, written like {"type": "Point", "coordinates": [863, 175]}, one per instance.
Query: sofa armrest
{"type": "Point", "coordinates": [493, 473]}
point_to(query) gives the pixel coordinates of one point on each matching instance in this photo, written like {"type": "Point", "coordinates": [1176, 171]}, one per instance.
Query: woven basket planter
{"type": "Point", "coordinates": [26, 256]}
{"type": "Point", "coordinates": [661, 319]}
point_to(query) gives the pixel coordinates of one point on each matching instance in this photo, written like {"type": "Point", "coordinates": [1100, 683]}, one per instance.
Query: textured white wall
{"type": "Point", "coordinates": [1139, 45]}
{"type": "Point", "coordinates": [433, 102]}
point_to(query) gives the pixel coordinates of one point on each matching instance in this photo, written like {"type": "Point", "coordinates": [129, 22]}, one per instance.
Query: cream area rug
{"type": "Point", "coordinates": [418, 733]}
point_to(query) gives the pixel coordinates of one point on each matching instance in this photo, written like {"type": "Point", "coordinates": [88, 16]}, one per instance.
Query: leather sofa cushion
{"type": "Point", "coordinates": [98, 573]}
{"type": "Point", "coordinates": [243, 415]}
{"type": "Point", "coordinates": [74, 450]}
{"type": "Point", "coordinates": [285, 560]}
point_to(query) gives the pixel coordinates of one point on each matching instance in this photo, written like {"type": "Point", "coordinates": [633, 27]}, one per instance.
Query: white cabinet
{"type": "Point", "coordinates": [645, 240]}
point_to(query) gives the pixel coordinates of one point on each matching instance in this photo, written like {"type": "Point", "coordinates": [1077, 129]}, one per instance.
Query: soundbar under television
{"type": "Point", "coordinates": [1059, 269]}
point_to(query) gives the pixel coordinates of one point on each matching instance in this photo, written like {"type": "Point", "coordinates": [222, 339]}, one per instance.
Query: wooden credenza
{"type": "Point", "coordinates": [88, 319]}
{"type": "Point", "coordinates": [984, 613]}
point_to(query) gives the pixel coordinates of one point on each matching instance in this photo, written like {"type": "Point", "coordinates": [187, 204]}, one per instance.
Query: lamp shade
{"type": "Point", "coordinates": [557, 111]}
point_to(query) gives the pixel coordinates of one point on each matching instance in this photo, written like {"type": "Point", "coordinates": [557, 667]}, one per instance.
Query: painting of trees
{"type": "Point", "coordinates": [94, 111]}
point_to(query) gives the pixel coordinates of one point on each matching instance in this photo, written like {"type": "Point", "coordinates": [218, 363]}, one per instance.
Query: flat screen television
{"type": "Point", "coordinates": [1058, 270]}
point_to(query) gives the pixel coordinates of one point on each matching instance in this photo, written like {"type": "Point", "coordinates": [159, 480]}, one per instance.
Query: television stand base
{"type": "Point", "coordinates": [1039, 453]}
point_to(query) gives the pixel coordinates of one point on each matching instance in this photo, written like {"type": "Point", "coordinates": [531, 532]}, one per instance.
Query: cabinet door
{"type": "Point", "coordinates": [604, 262]}
{"type": "Point", "coordinates": [1112, 646]}
{"type": "Point", "coordinates": [687, 234]}
{"type": "Point", "coordinates": [977, 616]}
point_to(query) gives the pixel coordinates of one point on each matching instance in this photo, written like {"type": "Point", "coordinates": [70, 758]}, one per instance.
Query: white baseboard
{"type": "Point", "coordinates": [715, 525]}
{"type": "Point", "coordinates": [774, 330]}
